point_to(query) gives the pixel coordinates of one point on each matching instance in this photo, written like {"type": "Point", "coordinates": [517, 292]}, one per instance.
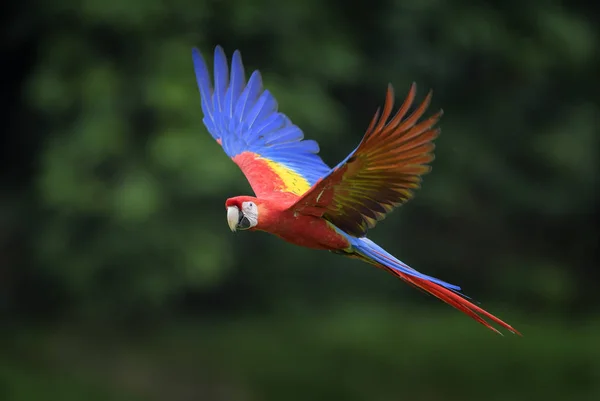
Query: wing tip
{"type": "Point", "coordinates": [390, 88]}
{"type": "Point", "coordinates": [237, 55]}
{"type": "Point", "coordinates": [219, 50]}
{"type": "Point", "coordinates": [197, 59]}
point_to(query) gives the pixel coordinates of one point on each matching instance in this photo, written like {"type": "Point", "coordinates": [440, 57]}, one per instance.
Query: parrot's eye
{"type": "Point", "coordinates": [249, 216]}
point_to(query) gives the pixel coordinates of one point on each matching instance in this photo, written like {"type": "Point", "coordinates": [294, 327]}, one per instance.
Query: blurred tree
{"type": "Point", "coordinates": [111, 203]}
{"type": "Point", "coordinates": [124, 209]}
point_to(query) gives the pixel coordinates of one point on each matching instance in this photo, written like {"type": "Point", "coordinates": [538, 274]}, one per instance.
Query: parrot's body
{"type": "Point", "coordinates": [302, 200]}
{"type": "Point", "coordinates": [307, 231]}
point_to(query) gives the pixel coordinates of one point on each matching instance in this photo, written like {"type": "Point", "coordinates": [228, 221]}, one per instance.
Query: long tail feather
{"type": "Point", "coordinates": [371, 253]}
{"type": "Point", "coordinates": [377, 254]}
{"type": "Point", "coordinates": [453, 299]}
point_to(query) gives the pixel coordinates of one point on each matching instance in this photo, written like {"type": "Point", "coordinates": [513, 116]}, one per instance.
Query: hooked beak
{"type": "Point", "coordinates": [236, 219]}
{"type": "Point", "coordinates": [233, 217]}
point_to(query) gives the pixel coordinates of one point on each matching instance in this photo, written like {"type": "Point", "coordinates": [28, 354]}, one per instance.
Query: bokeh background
{"type": "Point", "coordinates": [119, 279]}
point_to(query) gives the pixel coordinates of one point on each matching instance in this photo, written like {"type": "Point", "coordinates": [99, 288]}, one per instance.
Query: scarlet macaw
{"type": "Point", "coordinates": [302, 200]}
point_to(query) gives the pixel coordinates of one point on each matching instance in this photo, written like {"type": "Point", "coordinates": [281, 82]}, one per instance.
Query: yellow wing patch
{"type": "Point", "coordinates": [290, 180]}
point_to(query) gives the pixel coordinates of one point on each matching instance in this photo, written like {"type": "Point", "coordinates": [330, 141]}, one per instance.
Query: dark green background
{"type": "Point", "coordinates": [119, 279]}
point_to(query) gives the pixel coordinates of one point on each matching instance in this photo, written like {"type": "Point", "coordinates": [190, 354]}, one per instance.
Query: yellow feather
{"type": "Point", "coordinates": [292, 181]}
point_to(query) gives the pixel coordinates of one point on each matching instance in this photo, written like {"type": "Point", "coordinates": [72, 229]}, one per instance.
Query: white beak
{"type": "Point", "coordinates": [233, 217]}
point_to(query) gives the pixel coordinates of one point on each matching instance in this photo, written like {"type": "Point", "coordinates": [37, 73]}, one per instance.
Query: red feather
{"type": "Point", "coordinates": [381, 173]}
{"type": "Point", "coordinates": [453, 299]}
{"type": "Point", "coordinates": [264, 181]}
{"type": "Point", "coordinates": [444, 294]}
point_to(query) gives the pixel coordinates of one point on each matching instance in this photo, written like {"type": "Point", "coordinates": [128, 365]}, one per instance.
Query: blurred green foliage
{"type": "Point", "coordinates": [112, 217]}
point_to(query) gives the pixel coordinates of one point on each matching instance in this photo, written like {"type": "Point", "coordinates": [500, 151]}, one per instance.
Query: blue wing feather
{"type": "Point", "coordinates": [271, 126]}
{"type": "Point", "coordinates": [238, 80]}
{"type": "Point", "coordinates": [221, 81]}
{"type": "Point", "coordinates": [244, 117]}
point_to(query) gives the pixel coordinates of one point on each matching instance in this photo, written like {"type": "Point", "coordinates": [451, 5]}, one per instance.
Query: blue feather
{"type": "Point", "coordinates": [267, 127]}
{"type": "Point", "coordinates": [252, 92]}
{"type": "Point", "coordinates": [244, 117]}
{"type": "Point", "coordinates": [371, 250]}
{"type": "Point", "coordinates": [285, 135]}
{"type": "Point", "coordinates": [203, 80]}
{"type": "Point", "coordinates": [238, 80]}
{"type": "Point", "coordinates": [263, 107]}
{"type": "Point", "coordinates": [221, 80]}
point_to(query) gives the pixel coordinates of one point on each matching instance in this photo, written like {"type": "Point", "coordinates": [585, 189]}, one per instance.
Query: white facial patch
{"type": "Point", "coordinates": [250, 211]}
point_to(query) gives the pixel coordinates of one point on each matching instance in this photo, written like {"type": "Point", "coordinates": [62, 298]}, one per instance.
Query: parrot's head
{"type": "Point", "coordinates": [242, 212]}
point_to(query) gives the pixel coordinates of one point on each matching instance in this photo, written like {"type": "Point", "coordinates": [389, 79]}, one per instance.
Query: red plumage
{"type": "Point", "coordinates": [381, 173]}
{"type": "Point", "coordinates": [265, 182]}
{"type": "Point", "coordinates": [278, 219]}
{"type": "Point", "coordinates": [299, 198]}
{"type": "Point", "coordinates": [448, 296]}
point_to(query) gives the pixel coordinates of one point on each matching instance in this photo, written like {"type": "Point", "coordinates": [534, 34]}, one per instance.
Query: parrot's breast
{"type": "Point", "coordinates": [308, 231]}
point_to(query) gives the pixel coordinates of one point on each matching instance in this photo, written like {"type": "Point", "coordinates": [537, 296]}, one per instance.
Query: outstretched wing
{"type": "Point", "coordinates": [380, 174]}
{"type": "Point", "coordinates": [264, 143]}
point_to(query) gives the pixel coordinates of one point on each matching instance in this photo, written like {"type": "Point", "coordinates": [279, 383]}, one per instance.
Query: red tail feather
{"type": "Point", "coordinates": [453, 299]}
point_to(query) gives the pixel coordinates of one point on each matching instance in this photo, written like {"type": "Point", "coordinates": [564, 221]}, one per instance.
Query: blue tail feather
{"type": "Point", "coordinates": [371, 250]}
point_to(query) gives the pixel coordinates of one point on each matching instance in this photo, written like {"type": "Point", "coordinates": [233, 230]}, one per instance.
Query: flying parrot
{"type": "Point", "coordinates": [305, 202]}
